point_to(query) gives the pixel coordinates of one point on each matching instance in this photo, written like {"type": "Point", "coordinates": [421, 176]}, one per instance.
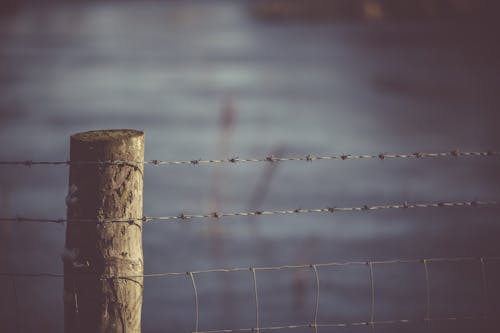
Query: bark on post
{"type": "Point", "coordinates": [97, 251]}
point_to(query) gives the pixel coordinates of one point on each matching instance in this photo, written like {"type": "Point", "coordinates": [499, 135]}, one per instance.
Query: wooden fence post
{"type": "Point", "coordinates": [97, 250]}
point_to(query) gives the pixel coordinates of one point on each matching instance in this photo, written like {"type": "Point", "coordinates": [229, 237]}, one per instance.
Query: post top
{"type": "Point", "coordinates": [107, 135]}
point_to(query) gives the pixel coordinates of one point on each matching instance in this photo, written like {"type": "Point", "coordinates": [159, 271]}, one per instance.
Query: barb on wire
{"type": "Point", "coordinates": [271, 159]}
{"type": "Point", "coordinates": [182, 216]}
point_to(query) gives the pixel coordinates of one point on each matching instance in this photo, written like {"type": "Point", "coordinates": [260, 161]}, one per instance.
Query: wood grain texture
{"type": "Point", "coordinates": [93, 302]}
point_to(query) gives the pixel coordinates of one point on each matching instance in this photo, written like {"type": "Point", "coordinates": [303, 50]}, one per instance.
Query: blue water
{"type": "Point", "coordinates": [298, 88]}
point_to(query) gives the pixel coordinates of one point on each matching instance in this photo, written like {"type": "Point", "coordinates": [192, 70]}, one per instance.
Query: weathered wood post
{"type": "Point", "coordinates": [98, 250]}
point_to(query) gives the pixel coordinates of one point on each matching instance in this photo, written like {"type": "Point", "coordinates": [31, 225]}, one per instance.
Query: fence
{"type": "Point", "coordinates": [426, 263]}
{"type": "Point", "coordinates": [109, 165]}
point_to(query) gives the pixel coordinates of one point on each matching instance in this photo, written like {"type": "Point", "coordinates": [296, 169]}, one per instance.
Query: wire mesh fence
{"type": "Point", "coordinates": [314, 323]}
{"type": "Point", "coordinates": [427, 265]}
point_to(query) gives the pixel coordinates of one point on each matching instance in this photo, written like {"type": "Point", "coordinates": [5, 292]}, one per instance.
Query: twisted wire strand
{"type": "Point", "coordinates": [217, 215]}
{"type": "Point", "coordinates": [270, 268]}
{"type": "Point", "coordinates": [271, 158]}
{"type": "Point", "coordinates": [346, 324]}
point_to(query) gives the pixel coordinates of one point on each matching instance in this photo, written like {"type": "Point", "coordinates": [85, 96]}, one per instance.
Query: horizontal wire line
{"type": "Point", "coordinates": [274, 268]}
{"type": "Point", "coordinates": [271, 158]}
{"type": "Point", "coordinates": [182, 216]}
{"type": "Point", "coordinates": [347, 324]}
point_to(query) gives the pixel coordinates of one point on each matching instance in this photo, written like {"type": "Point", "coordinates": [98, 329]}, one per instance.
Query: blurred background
{"type": "Point", "coordinates": [221, 79]}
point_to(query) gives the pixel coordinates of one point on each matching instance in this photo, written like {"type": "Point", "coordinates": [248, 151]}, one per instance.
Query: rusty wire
{"type": "Point", "coordinates": [218, 215]}
{"type": "Point", "coordinates": [271, 158]}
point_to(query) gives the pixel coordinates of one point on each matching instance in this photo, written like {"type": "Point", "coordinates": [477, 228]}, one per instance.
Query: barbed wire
{"type": "Point", "coordinates": [314, 324]}
{"type": "Point", "coordinates": [271, 158]}
{"type": "Point", "coordinates": [219, 215]}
